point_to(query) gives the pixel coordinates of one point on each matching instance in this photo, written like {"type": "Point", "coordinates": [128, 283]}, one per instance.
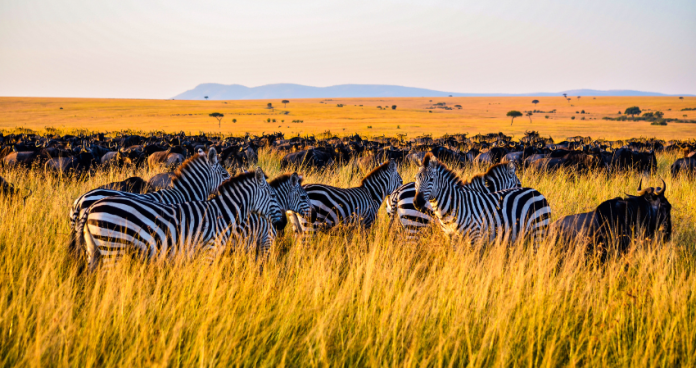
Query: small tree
{"type": "Point", "coordinates": [234, 121]}
{"type": "Point", "coordinates": [269, 106]}
{"type": "Point", "coordinates": [535, 102]}
{"type": "Point", "coordinates": [393, 107]}
{"type": "Point", "coordinates": [529, 115]}
{"type": "Point", "coordinates": [206, 97]}
{"type": "Point", "coordinates": [633, 111]}
{"type": "Point", "coordinates": [217, 116]}
{"type": "Point", "coordinates": [513, 114]}
{"type": "Point", "coordinates": [578, 97]}
{"type": "Point", "coordinates": [285, 103]}
{"type": "Point", "coordinates": [565, 95]}
{"type": "Point", "coordinates": [681, 98]}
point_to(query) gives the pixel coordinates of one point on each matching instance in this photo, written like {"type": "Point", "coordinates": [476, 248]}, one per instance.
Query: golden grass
{"type": "Point", "coordinates": [478, 115]}
{"type": "Point", "coordinates": [356, 298]}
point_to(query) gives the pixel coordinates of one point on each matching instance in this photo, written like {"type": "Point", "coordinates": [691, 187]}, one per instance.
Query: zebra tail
{"type": "Point", "coordinates": [76, 246]}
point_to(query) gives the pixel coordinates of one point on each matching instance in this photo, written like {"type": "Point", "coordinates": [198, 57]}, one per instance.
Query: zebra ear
{"type": "Point", "coordinates": [295, 179]}
{"type": "Point", "coordinates": [511, 167]}
{"type": "Point", "coordinates": [259, 175]}
{"type": "Point", "coordinates": [212, 156]}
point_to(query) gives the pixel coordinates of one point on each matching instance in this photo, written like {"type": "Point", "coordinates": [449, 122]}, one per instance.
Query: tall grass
{"type": "Point", "coordinates": [354, 297]}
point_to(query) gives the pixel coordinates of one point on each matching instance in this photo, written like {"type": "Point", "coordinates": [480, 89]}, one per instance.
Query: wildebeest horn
{"type": "Point", "coordinates": [661, 191]}
{"type": "Point", "coordinates": [646, 190]}
{"type": "Point", "coordinates": [27, 196]}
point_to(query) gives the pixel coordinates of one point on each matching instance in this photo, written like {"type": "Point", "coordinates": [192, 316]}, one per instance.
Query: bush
{"type": "Point", "coordinates": [572, 118]}
{"type": "Point", "coordinates": [393, 107]}
{"type": "Point", "coordinates": [660, 122]}
{"type": "Point", "coordinates": [582, 112]}
{"type": "Point", "coordinates": [398, 127]}
{"type": "Point", "coordinates": [546, 116]}
{"type": "Point", "coordinates": [369, 127]}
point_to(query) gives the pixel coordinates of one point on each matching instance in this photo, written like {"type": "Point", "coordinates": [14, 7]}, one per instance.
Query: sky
{"type": "Point", "coordinates": [158, 49]}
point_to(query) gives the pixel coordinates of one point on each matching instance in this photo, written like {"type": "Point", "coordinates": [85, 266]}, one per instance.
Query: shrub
{"type": "Point", "coordinates": [369, 127]}
{"type": "Point", "coordinates": [398, 127]}
{"type": "Point", "coordinates": [659, 122]}
{"type": "Point", "coordinates": [546, 116]}
{"type": "Point", "coordinates": [393, 107]}
{"type": "Point", "coordinates": [582, 112]}
{"type": "Point", "coordinates": [572, 118]}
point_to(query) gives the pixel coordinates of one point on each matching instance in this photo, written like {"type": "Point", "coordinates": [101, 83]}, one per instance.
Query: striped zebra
{"type": "Point", "coordinates": [259, 233]}
{"type": "Point", "coordinates": [115, 226]}
{"type": "Point", "coordinates": [509, 214]}
{"type": "Point", "coordinates": [332, 206]}
{"type": "Point", "coordinates": [400, 203]}
{"type": "Point", "coordinates": [194, 180]}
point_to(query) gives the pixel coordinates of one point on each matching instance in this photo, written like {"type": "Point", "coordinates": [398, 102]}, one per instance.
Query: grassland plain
{"type": "Point", "coordinates": [411, 117]}
{"type": "Point", "coordinates": [354, 297]}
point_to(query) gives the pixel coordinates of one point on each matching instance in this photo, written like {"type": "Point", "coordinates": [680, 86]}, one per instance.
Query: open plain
{"type": "Point", "coordinates": [412, 116]}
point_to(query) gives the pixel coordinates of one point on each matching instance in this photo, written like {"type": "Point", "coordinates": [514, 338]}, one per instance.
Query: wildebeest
{"type": "Point", "coordinates": [167, 158]}
{"type": "Point", "coordinates": [6, 188]}
{"type": "Point", "coordinates": [160, 181]}
{"type": "Point", "coordinates": [686, 165]}
{"type": "Point", "coordinates": [618, 220]}
{"type": "Point", "coordinates": [134, 184]}
{"type": "Point", "coordinates": [315, 157]}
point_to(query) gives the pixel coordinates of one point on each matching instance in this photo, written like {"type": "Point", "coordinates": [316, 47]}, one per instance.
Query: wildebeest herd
{"type": "Point", "coordinates": [200, 207]}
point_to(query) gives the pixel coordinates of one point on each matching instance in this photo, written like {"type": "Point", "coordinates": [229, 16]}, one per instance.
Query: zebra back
{"type": "Point", "coordinates": [332, 206]}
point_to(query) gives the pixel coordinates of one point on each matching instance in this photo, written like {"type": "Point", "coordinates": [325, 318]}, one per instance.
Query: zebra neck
{"type": "Point", "coordinates": [233, 211]}
{"type": "Point", "coordinates": [375, 191]}
{"type": "Point", "coordinates": [281, 198]}
{"type": "Point", "coordinates": [190, 190]}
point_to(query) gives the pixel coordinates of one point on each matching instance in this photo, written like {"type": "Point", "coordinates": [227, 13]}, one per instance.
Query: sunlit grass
{"type": "Point", "coordinates": [353, 297]}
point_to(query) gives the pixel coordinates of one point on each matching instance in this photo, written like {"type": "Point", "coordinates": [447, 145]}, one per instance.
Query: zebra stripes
{"type": "Point", "coordinates": [332, 206]}
{"type": "Point", "coordinates": [400, 206]}
{"type": "Point", "coordinates": [115, 226]}
{"type": "Point", "coordinates": [509, 214]}
{"type": "Point", "coordinates": [258, 233]}
{"type": "Point", "coordinates": [194, 180]}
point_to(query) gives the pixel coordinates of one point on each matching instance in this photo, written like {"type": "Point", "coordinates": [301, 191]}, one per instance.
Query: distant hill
{"type": "Point", "coordinates": [216, 91]}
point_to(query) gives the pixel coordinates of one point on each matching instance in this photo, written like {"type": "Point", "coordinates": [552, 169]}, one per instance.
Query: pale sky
{"type": "Point", "coordinates": [157, 49]}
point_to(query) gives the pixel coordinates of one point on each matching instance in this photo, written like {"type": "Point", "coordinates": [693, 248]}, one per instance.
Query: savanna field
{"type": "Point", "coordinates": [353, 297]}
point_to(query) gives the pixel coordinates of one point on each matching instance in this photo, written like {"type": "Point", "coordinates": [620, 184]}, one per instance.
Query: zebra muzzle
{"type": "Point", "coordinates": [419, 201]}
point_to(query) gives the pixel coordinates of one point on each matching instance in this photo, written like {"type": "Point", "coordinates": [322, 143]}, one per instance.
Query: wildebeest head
{"type": "Point", "coordinates": [649, 211]}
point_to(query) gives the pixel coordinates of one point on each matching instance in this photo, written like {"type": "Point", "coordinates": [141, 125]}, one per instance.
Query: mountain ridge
{"type": "Point", "coordinates": [216, 91]}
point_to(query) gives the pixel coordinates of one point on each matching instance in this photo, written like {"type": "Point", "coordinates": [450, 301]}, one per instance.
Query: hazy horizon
{"type": "Point", "coordinates": [130, 49]}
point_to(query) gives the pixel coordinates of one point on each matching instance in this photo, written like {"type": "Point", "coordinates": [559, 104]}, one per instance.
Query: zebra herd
{"type": "Point", "coordinates": [206, 210]}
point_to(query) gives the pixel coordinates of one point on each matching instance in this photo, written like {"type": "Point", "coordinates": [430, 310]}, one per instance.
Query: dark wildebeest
{"type": "Point", "coordinates": [6, 188]}
{"type": "Point", "coordinates": [316, 158]}
{"type": "Point", "coordinates": [686, 165]}
{"type": "Point", "coordinates": [617, 220]}
{"type": "Point", "coordinates": [24, 159]}
{"type": "Point", "coordinates": [75, 165]}
{"type": "Point", "coordinates": [134, 184]}
{"type": "Point", "coordinates": [160, 181]}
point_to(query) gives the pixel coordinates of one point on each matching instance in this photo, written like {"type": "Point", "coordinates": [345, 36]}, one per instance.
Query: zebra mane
{"type": "Point", "coordinates": [381, 168]}
{"type": "Point", "coordinates": [236, 180]}
{"type": "Point", "coordinates": [446, 171]}
{"type": "Point", "coordinates": [280, 180]}
{"type": "Point", "coordinates": [184, 167]}
{"type": "Point", "coordinates": [489, 172]}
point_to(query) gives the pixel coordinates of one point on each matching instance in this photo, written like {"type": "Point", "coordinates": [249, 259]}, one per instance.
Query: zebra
{"type": "Point", "coordinates": [194, 180]}
{"type": "Point", "coordinates": [258, 232]}
{"type": "Point", "coordinates": [332, 206]}
{"type": "Point", "coordinates": [510, 213]}
{"type": "Point", "coordinates": [400, 203]}
{"type": "Point", "coordinates": [117, 225]}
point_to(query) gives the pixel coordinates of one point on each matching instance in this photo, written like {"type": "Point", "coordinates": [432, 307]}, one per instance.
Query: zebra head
{"type": "Point", "coordinates": [502, 176]}
{"type": "Point", "coordinates": [200, 176]}
{"type": "Point", "coordinates": [428, 180]}
{"type": "Point", "coordinates": [250, 192]}
{"type": "Point", "coordinates": [291, 195]}
{"type": "Point", "coordinates": [383, 180]}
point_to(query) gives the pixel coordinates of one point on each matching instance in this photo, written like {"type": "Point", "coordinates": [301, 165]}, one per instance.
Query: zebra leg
{"type": "Point", "coordinates": [92, 250]}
